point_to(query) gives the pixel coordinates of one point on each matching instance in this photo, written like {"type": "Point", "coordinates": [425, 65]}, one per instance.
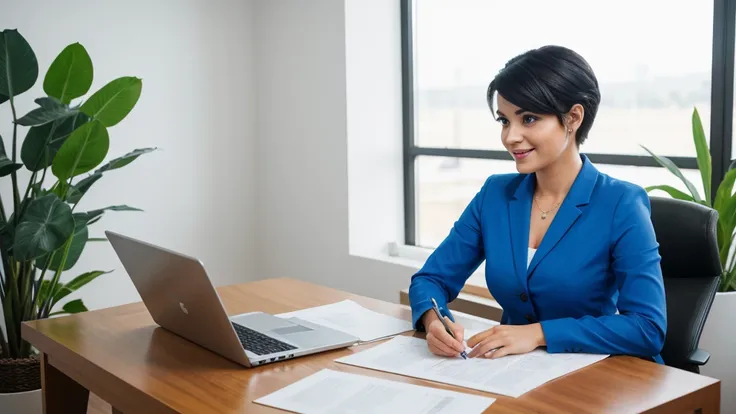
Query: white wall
{"type": "Point", "coordinates": [374, 125]}
{"type": "Point", "coordinates": [317, 107]}
{"type": "Point", "coordinates": [291, 106]}
{"type": "Point", "coordinates": [197, 105]}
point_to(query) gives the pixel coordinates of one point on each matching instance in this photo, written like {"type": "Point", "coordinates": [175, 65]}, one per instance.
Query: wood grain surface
{"type": "Point", "coordinates": [123, 357]}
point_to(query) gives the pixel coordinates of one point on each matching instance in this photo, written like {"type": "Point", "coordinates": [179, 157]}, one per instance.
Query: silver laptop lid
{"type": "Point", "coordinates": [179, 295]}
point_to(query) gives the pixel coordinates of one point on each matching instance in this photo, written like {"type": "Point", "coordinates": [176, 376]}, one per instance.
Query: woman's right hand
{"type": "Point", "coordinates": [438, 340]}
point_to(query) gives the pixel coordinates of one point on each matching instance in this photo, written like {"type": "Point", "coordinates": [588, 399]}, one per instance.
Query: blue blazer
{"type": "Point", "coordinates": [595, 283]}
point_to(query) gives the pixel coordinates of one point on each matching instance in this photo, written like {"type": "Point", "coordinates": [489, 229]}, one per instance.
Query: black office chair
{"type": "Point", "coordinates": [691, 266]}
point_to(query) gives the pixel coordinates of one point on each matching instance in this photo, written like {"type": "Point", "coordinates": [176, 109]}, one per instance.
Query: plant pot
{"type": "Point", "coordinates": [20, 375]}
{"type": "Point", "coordinates": [28, 402]}
{"type": "Point", "coordinates": [20, 385]}
{"type": "Point", "coordinates": [719, 340]}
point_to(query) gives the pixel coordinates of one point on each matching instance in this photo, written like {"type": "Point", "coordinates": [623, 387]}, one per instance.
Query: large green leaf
{"type": "Point", "coordinates": [703, 156]}
{"type": "Point", "coordinates": [79, 241]}
{"type": "Point", "coordinates": [7, 235]}
{"type": "Point", "coordinates": [18, 64]}
{"type": "Point", "coordinates": [124, 160]}
{"type": "Point", "coordinates": [43, 142]}
{"type": "Point", "coordinates": [63, 290]}
{"type": "Point", "coordinates": [50, 110]}
{"type": "Point", "coordinates": [725, 191]}
{"type": "Point", "coordinates": [74, 306]}
{"type": "Point", "coordinates": [669, 165]}
{"type": "Point", "coordinates": [43, 290]}
{"type": "Point", "coordinates": [672, 191]}
{"type": "Point", "coordinates": [6, 165]}
{"type": "Point", "coordinates": [93, 215]}
{"type": "Point", "coordinates": [70, 74]}
{"type": "Point", "coordinates": [725, 230]}
{"type": "Point", "coordinates": [727, 278]}
{"type": "Point", "coordinates": [60, 292]}
{"type": "Point", "coordinates": [114, 101]}
{"type": "Point", "coordinates": [83, 150]}
{"type": "Point", "coordinates": [79, 189]}
{"type": "Point", "coordinates": [46, 225]}
{"type": "Point", "coordinates": [85, 278]}
{"type": "Point", "coordinates": [725, 204]}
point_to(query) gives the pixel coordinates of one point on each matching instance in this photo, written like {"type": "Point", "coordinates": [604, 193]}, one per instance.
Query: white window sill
{"type": "Point", "coordinates": [416, 256]}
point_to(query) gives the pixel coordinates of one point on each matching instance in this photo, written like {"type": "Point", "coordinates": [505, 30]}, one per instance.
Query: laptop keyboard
{"type": "Point", "coordinates": [259, 343]}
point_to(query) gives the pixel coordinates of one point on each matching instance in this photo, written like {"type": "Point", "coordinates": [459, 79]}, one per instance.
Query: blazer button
{"type": "Point", "coordinates": [523, 297]}
{"type": "Point", "coordinates": [529, 318]}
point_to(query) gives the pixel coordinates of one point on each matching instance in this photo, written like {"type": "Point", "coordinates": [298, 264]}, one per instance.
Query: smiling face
{"type": "Point", "coordinates": [536, 141]}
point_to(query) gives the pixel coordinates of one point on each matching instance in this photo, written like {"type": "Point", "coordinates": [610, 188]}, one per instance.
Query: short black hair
{"type": "Point", "coordinates": [549, 80]}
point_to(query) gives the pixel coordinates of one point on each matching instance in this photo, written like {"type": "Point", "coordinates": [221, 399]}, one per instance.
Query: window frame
{"type": "Point", "coordinates": [721, 120]}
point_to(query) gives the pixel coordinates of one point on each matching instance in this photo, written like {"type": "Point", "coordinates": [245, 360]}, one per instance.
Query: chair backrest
{"type": "Point", "coordinates": [691, 267]}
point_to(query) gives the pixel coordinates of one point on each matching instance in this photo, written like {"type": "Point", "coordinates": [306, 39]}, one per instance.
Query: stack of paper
{"type": "Point", "coordinates": [341, 392]}
{"type": "Point", "coordinates": [473, 325]}
{"type": "Point", "coordinates": [349, 317]}
{"type": "Point", "coordinates": [511, 375]}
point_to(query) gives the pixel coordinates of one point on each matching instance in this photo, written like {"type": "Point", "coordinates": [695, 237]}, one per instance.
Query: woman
{"type": "Point", "coordinates": [570, 252]}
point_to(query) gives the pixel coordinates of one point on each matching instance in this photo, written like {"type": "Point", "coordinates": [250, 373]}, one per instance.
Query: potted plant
{"type": "Point", "coordinates": [717, 337]}
{"type": "Point", "coordinates": [42, 233]}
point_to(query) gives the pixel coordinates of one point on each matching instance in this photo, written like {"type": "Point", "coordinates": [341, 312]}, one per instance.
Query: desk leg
{"type": "Point", "coordinates": [61, 394]}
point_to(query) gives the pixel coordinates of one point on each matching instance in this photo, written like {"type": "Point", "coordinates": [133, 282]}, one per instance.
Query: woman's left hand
{"type": "Point", "coordinates": [502, 340]}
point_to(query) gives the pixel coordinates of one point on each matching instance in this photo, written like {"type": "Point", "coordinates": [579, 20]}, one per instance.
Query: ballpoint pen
{"type": "Point", "coordinates": [444, 323]}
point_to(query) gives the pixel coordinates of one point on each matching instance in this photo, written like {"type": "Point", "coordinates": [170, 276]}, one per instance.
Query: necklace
{"type": "Point", "coordinates": [544, 213]}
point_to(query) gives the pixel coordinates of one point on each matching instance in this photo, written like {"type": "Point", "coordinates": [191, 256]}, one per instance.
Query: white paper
{"type": "Point", "coordinates": [351, 318]}
{"type": "Point", "coordinates": [512, 375]}
{"type": "Point", "coordinates": [330, 391]}
{"type": "Point", "coordinates": [473, 325]}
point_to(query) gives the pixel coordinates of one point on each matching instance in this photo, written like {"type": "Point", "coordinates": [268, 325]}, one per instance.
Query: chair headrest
{"type": "Point", "coordinates": [687, 236]}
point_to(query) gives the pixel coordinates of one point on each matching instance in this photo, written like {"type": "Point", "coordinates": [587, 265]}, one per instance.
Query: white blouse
{"type": "Point", "coordinates": [530, 256]}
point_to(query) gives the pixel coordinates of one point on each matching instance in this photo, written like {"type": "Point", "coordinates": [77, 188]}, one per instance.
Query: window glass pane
{"type": "Point", "coordinates": [445, 186]}
{"type": "Point", "coordinates": [649, 84]}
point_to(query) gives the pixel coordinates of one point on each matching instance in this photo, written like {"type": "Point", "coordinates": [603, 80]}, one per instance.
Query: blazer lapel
{"type": "Point", "coordinates": [519, 210]}
{"type": "Point", "coordinates": [569, 211]}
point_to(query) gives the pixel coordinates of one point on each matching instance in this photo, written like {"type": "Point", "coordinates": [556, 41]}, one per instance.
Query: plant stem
{"type": "Point", "coordinates": [30, 184]}
{"type": "Point", "coordinates": [4, 352]}
{"type": "Point", "coordinates": [3, 216]}
{"type": "Point", "coordinates": [43, 274]}
{"type": "Point", "coordinates": [38, 160]}
{"type": "Point", "coordinates": [14, 174]}
{"type": "Point", "coordinates": [52, 286]}
{"type": "Point", "coordinates": [27, 292]}
{"type": "Point", "coordinates": [4, 280]}
{"type": "Point", "coordinates": [727, 280]}
{"type": "Point", "coordinates": [12, 323]}
{"type": "Point", "coordinates": [43, 176]}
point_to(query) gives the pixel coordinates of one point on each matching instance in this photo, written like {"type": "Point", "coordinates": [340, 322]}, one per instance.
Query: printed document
{"type": "Point", "coordinates": [512, 375]}
{"type": "Point", "coordinates": [473, 325]}
{"type": "Point", "coordinates": [342, 392]}
{"type": "Point", "coordinates": [349, 317]}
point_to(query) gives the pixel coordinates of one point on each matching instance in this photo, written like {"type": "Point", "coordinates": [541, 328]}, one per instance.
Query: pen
{"type": "Point", "coordinates": [444, 323]}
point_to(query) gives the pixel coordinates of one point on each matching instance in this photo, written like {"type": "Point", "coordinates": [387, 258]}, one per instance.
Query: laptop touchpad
{"type": "Point", "coordinates": [290, 330]}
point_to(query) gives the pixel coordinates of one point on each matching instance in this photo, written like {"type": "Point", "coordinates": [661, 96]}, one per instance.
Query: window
{"type": "Point", "coordinates": [649, 86]}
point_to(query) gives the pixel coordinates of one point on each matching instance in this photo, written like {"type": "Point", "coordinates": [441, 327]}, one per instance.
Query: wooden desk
{"type": "Point", "coordinates": [466, 302]}
{"type": "Point", "coordinates": [119, 354]}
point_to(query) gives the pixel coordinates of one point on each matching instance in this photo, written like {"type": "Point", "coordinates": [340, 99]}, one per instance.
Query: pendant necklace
{"type": "Point", "coordinates": [544, 213]}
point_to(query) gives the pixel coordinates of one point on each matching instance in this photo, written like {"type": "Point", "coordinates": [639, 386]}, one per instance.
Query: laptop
{"type": "Point", "coordinates": [181, 299]}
